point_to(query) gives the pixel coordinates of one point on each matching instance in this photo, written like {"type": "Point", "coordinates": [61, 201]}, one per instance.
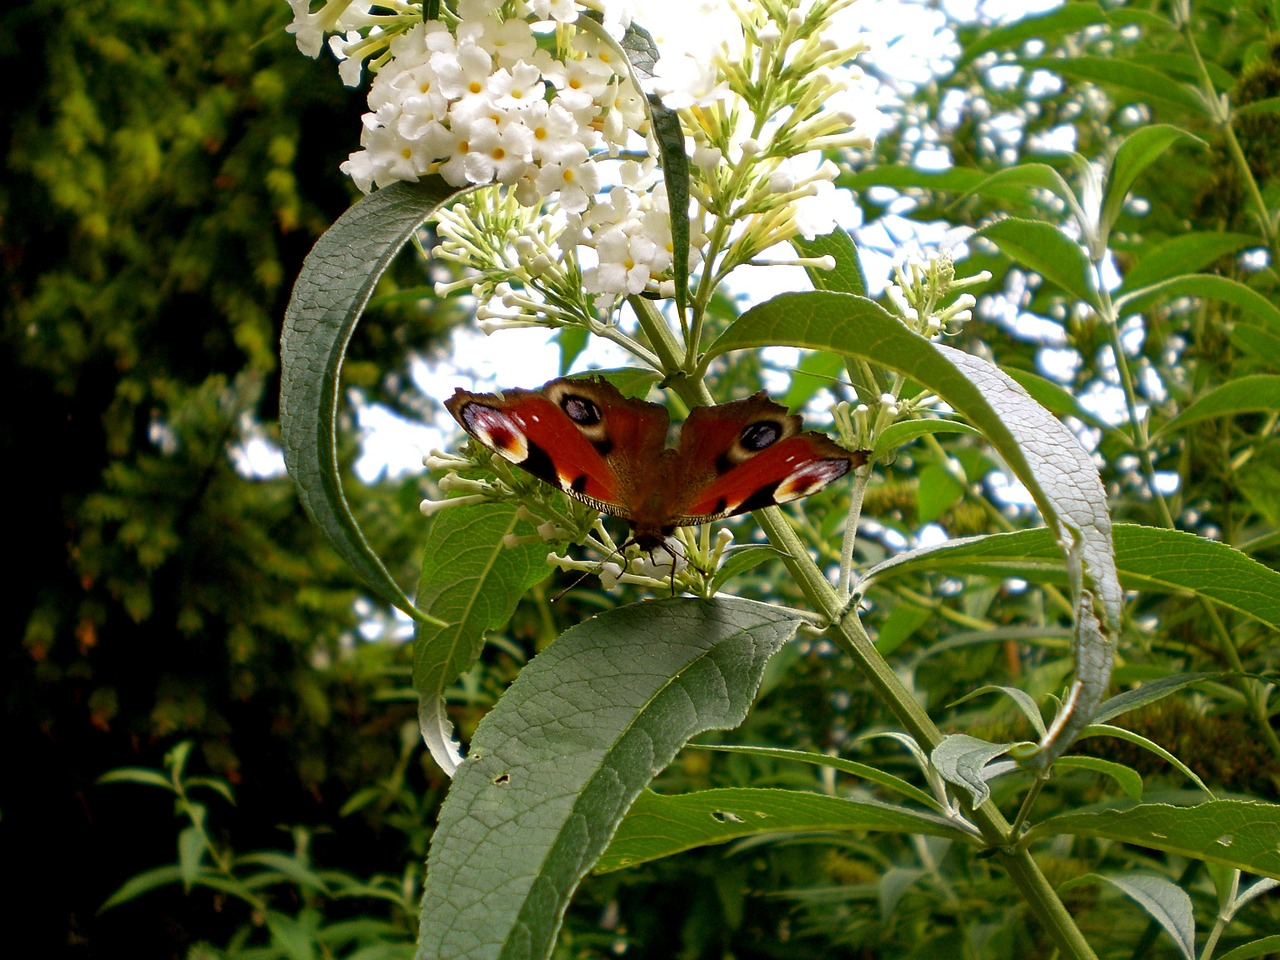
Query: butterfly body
{"type": "Point", "coordinates": [610, 451]}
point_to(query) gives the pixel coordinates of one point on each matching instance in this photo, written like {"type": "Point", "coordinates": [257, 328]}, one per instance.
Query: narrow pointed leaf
{"type": "Point", "coordinates": [555, 765]}
{"type": "Point", "coordinates": [1130, 780]}
{"type": "Point", "coordinates": [1183, 255]}
{"type": "Point", "coordinates": [1042, 247]}
{"type": "Point", "coordinates": [472, 580]}
{"type": "Point", "coordinates": [847, 277]}
{"type": "Point", "coordinates": [1256, 309]}
{"type": "Point", "coordinates": [336, 281]}
{"type": "Point", "coordinates": [1136, 153]}
{"type": "Point", "coordinates": [1143, 83]}
{"type": "Point", "coordinates": [1166, 903]}
{"type": "Point", "coordinates": [1256, 394]}
{"type": "Point", "coordinates": [1151, 559]}
{"type": "Point", "coordinates": [1042, 452]}
{"type": "Point", "coordinates": [660, 826]}
{"type": "Point", "coordinates": [1266, 947]}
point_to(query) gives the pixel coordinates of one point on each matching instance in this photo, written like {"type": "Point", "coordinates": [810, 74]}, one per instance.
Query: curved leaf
{"type": "Point", "coordinates": [1242, 834]}
{"type": "Point", "coordinates": [336, 281]}
{"type": "Point", "coordinates": [1183, 255]}
{"type": "Point", "coordinates": [1042, 247]}
{"type": "Point", "coordinates": [556, 764]}
{"type": "Point", "coordinates": [1166, 903]}
{"type": "Point", "coordinates": [1136, 153]}
{"type": "Point", "coordinates": [1142, 82]}
{"type": "Point", "coordinates": [1147, 558]}
{"type": "Point", "coordinates": [660, 826]}
{"type": "Point", "coordinates": [1260, 393]}
{"type": "Point", "coordinates": [1257, 308]}
{"type": "Point", "coordinates": [1043, 454]}
{"type": "Point", "coordinates": [471, 578]}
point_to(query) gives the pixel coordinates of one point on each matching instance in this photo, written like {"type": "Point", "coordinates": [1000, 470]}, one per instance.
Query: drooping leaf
{"type": "Point", "coordinates": [1165, 902]}
{"type": "Point", "coordinates": [1151, 559]}
{"type": "Point", "coordinates": [963, 761]}
{"type": "Point", "coordinates": [336, 281]}
{"type": "Point", "coordinates": [1182, 255]}
{"type": "Point", "coordinates": [660, 826]}
{"type": "Point", "coordinates": [1142, 83]}
{"type": "Point", "coordinates": [1043, 454]}
{"type": "Point", "coordinates": [1242, 834]}
{"type": "Point", "coordinates": [474, 581]}
{"type": "Point", "coordinates": [556, 764]}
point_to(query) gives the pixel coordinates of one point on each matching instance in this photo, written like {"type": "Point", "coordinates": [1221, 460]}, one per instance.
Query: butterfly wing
{"type": "Point", "coordinates": [747, 454]}
{"type": "Point", "coordinates": [582, 436]}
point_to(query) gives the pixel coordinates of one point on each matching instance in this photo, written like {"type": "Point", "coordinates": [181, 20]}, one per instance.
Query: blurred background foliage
{"type": "Point", "coordinates": [166, 169]}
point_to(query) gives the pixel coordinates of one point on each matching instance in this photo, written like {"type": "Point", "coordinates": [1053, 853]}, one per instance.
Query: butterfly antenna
{"type": "Point", "coordinates": [587, 573]}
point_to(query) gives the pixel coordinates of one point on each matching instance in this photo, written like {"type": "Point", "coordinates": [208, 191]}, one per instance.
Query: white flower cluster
{"type": "Point", "coordinates": [482, 103]}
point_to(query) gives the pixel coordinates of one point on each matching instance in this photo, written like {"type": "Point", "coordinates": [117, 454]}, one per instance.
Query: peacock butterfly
{"type": "Point", "coordinates": [610, 451]}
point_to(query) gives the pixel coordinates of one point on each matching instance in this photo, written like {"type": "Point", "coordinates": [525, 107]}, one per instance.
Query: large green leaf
{"type": "Point", "coordinates": [1236, 833]}
{"type": "Point", "coordinates": [1256, 308]}
{"type": "Point", "coordinates": [659, 826]}
{"type": "Point", "coordinates": [474, 581]}
{"type": "Point", "coordinates": [336, 281]}
{"type": "Point", "coordinates": [1042, 452]}
{"type": "Point", "coordinates": [1151, 559]}
{"type": "Point", "coordinates": [555, 765]}
{"type": "Point", "coordinates": [1068, 18]}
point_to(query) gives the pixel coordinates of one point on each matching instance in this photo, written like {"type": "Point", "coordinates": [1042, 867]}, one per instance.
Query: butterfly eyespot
{"type": "Point", "coordinates": [759, 435]}
{"type": "Point", "coordinates": [581, 411]}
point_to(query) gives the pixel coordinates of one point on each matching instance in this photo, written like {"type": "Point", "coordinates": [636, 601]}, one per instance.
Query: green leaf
{"type": "Point", "coordinates": [852, 767]}
{"type": "Point", "coordinates": [642, 53]}
{"type": "Point", "coordinates": [669, 134]}
{"type": "Point", "coordinates": [190, 855]}
{"type": "Point", "coordinates": [1136, 153]}
{"type": "Point", "coordinates": [1149, 693]}
{"type": "Point", "coordinates": [470, 577]}
{"type": "Point", "coordinates": [1067, 18]}
{"type": "Point", "coordinates": [660, 826]}
{"type": "Point", "coordinates": [847, 277]}
{"type": "Point", "coordinates": [1143, 83]}
{"type": "Point", "coordinates": [1130, 780]}
{"type": "Point", "coordinates": [1242, 834]}
{"type": "Point", "coordinates": [1256, 394]}
{"type": "Point", "coordinates": [1021, 699]}
{"type": "Point", "coordinates": [1054, 398]}
{"type": "Point", "coordinates": [1042, 247]}
{"type": "Point", "coordinates": [1147, 558]}
{"type": "Point", "coordinates": [740, 561]}
{"type": "Point", "coordinates": [962, 760]}
{"type": "Point", "coordinates": [1026, 178]}
{"type": "Point", "coordinates": [904, 431]}
{"type": "Point", "coordinates": [1182, 255]}
{"type": "Point", "coordinates": [1137, 739]}
{"type": "Point", "coordinates": [556, 764]}
{"type": "Point", "coordinates": [1266, 947]}
{"type": "Point", "coordinates": [936, 491]}
{"type": "Point", "coordinates": [1043, 454]}
{"type": "Point", "coordinates": [139, 775]}
{"type": "Point", "coordinates": [1165, 902]}
{"type": "Point", "coordinates": [142, 883]}
{"type": "Point", "coordinates": [336, 281]}
{"type": "Point", "coordinates": [1257, 308]}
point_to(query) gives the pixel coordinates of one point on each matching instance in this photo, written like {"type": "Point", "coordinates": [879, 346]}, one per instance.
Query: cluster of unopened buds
{"type": "Point", "coordinates": [920, 292]}
{"type": "Point", "coordinates": [687, 560]}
